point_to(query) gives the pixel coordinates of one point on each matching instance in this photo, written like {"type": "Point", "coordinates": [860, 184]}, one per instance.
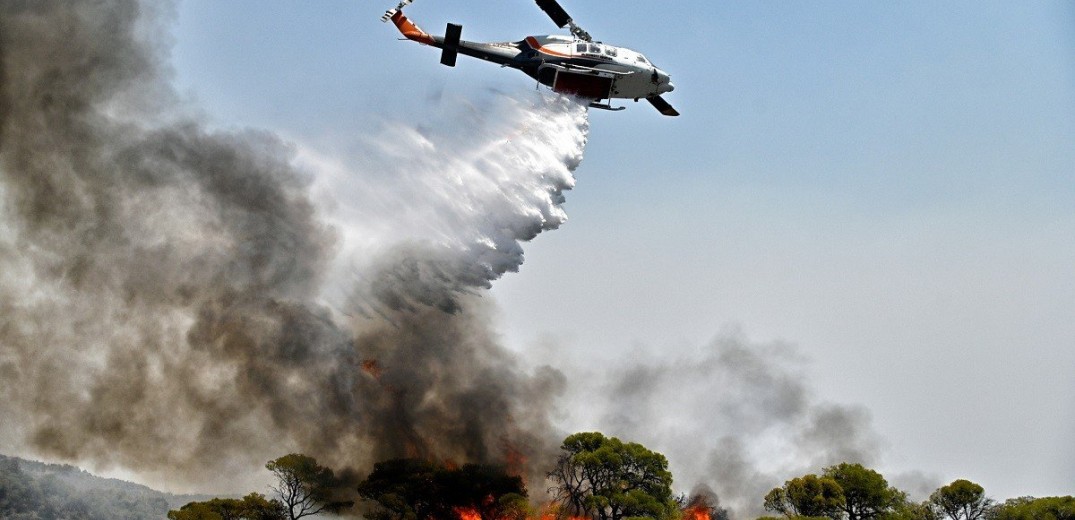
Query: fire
{"type": "Point", "coordinates": [696, 513]}
{"type": "Point", "coordinates": [552, 511]}
{"type": "Point", "coordinates": [468, 513]}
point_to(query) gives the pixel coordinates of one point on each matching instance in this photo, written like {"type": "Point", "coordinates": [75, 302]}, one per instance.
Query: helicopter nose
{"type": "Point", "coordinates": [664, 83]}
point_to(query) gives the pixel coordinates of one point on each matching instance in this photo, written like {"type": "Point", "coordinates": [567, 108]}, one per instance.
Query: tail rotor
{"type": "Point", "coordinates": [389, 13]}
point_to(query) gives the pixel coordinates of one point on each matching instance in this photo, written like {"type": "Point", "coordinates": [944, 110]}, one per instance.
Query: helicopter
{"type": "Point", "coordinates": [575, 64]}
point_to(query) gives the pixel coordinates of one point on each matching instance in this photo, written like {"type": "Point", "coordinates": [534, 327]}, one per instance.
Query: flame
{"type": "Point", "coordinates": [696, 513]}
{"type": "Point", "coordinates": [553, 511]}
{"type": "Point", "coordinates": [468, 513]}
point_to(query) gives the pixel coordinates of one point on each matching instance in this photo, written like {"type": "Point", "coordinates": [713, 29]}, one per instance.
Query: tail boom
{"type": "Point", "coordinates": [409, 30]}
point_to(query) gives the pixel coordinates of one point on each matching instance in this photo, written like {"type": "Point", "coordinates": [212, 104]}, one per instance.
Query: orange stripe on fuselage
{"type": "Point", "coordinates": [530, 40]}
{"type": "Point", "coordinates": [411, 31]}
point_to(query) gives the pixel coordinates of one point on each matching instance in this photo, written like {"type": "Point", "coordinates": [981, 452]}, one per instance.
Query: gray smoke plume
{"type": "Point", "coordinates": [739, 419]}
{"type": "Point", "coordinates": [187, 304]}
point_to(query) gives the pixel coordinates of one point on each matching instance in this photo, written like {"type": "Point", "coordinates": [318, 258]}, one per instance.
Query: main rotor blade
{"type": "Point", "coordinates": [662, 106]}
{"type": "Point", "coordinates": [557, 13]}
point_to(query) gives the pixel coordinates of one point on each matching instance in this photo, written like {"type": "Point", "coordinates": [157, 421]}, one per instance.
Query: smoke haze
{"type": "Point", "coordinates": [187, 304]}
{"type": "Point", "coordinates": [737, 418]}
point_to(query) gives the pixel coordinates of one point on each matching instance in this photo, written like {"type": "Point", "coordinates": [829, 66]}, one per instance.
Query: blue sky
{"type": "Point", "coordinates": [887, 185]}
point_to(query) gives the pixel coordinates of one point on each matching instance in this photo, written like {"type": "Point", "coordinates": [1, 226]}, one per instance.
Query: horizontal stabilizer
{"type": "Point", "coordinates": [662, 106]}
{"type": "Point", "coordinates": [451, 44]}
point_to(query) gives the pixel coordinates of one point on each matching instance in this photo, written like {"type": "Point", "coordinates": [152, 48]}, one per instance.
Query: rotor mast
{"type": "Point", "coordinates": [579, 32]}
{"type": "Point", "coordinates": [561, 18]}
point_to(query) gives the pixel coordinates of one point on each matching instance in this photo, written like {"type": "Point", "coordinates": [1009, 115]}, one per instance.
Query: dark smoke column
{"type": "Point", "coordinates": [160, 284]}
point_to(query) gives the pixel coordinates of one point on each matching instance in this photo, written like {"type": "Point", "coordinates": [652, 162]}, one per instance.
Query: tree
{"type": "Point", "coordinates": [18, 494]}
{"type": "Point", "coordinates": [304, 487]}
{"type": "Point", "coordinates": [1030, 508]}
{"type": "Point", "coordinates": [606, 479]}
{"type": "Point", "coordinates": [195, 511]}
{"type": "Point", "coordinates": [413, 489]}
{"type": "Point", "coordinates": [866, 493]}
{"type": "Point", "coordinates": [962, 500]}
{"type": "Point", "coordinates": [256, 506]}
{"type": "Point", "coordinates": [912, 511]}
{"type": "Point", "coordinates": [486, 490]}
{"type": "Point", "coordinates": [808, 495]}
{"type": "Point", "coordinates": [400, 487]}
{"type": "Point", "coordinates": [252, 507]}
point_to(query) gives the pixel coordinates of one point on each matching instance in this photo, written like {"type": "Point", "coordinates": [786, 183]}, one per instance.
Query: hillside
{"type": "Point", "coordinates": [35, 490]}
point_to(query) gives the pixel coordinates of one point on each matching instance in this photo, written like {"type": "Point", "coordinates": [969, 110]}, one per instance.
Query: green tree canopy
{"type": "Point", "coordinates": [606, 479]}
{"type": "Point", "coordinates": [808, 495]}
{"type": "Point", "coordinates": [413, 489]}
{"type": "Point", "coordinates": [962, 500]}
{"type": "Point", "coordinates": [913, 511]}
{"type": "Point", "coordinates": [866, 493]}
{"type": "Point", "coordinates": [1029, 508]}
{"type": "Point", "coordinates": [304, 487]}
{"type": "Point", "coordinates": [251, 507]}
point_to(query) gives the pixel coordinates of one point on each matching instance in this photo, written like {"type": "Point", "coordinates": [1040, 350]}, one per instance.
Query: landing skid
{"type": "Point", "coordinates": [606, 107]}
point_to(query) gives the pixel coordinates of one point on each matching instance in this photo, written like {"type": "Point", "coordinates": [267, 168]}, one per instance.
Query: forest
{"type": "Point", "coordinates": [594, 477]}
{"type": "Point", "coordinates": [32, 490]}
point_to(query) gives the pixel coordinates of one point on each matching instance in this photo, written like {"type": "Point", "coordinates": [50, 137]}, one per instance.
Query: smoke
{"type": "Point", "coordinates": [187, 303]}
{"type": "Point", "coordinates": [737, 418]}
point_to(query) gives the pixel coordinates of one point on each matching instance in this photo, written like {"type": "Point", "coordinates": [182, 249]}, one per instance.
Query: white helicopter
{"type": "Point", "coordinates": [568, 64]}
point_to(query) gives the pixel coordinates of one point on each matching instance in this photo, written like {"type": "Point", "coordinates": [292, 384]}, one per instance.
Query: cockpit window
{"type": "Point", "coordinates": [580, 47]}
{"type": "Point", "coordinates": [642, 59]}
{"type": "Point", "coordinates": [611, 51]}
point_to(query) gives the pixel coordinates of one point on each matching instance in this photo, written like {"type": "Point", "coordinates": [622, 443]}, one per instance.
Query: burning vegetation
{"type": "Point", "coordinates": [595, 478]}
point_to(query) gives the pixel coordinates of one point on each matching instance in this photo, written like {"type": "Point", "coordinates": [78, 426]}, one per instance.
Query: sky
{"type": "Point", "coordinates": [887, 186]}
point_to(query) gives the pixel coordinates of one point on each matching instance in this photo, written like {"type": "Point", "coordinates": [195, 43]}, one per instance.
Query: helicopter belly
{"type": "Point", "coordinates": [635, 85]}
{"type": "Point", "coordinates": [583, 85]}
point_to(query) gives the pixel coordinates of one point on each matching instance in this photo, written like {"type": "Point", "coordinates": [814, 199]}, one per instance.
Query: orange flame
{"type": "Point", "coordinates": [468, 513]}
{"type": "Point", "coordinates": [552, 511]}
{"type": "Point", "coordinates": [696, 513]}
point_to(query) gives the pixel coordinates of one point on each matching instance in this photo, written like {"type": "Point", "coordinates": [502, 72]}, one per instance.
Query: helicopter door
{"type": "Point", "coordinates": [582, 85]}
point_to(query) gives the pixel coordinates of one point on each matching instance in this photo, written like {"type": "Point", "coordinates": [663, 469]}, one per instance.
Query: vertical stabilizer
{"type": "Point", "coordinates": [451, 44]}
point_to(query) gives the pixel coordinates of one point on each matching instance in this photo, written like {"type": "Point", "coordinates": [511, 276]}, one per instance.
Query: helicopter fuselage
{"type": "Point", "coordinates": [591, 70]}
